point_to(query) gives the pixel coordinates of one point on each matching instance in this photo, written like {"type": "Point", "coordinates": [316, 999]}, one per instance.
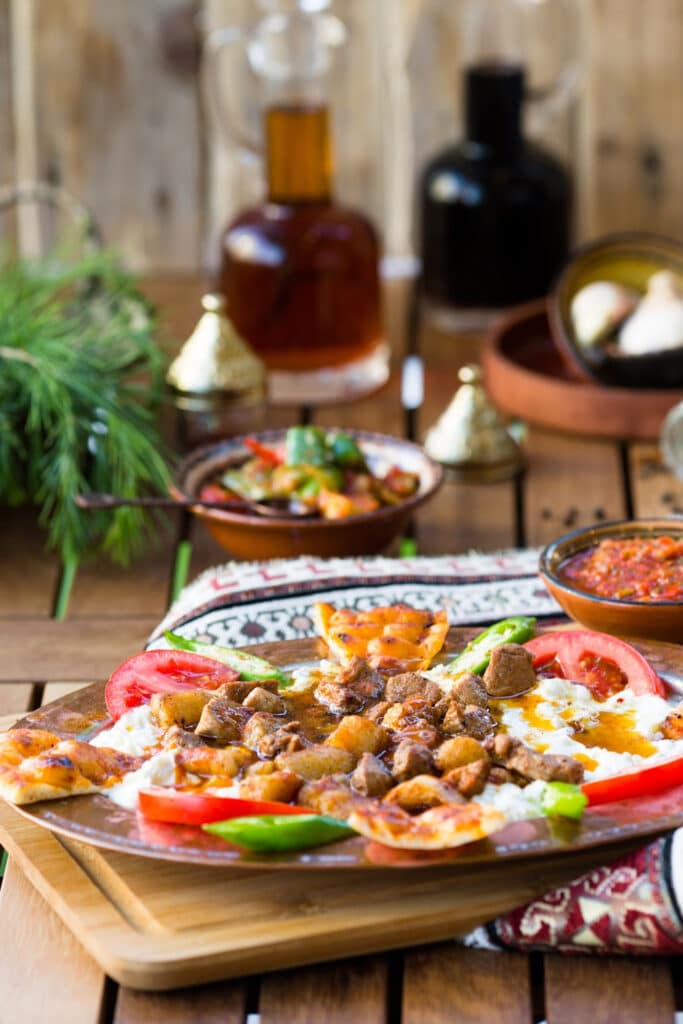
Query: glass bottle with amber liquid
{"type": "Point", "coordinates": [300, 272]}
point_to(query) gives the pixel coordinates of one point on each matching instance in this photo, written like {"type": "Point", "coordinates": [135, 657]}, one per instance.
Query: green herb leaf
{"type": "Point", "coordinates": [80, 374]}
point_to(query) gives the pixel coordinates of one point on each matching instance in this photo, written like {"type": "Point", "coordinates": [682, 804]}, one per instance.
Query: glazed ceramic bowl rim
{"type": "Point", "coordinates": [561, 330]}
{"type": "Point", "coordinates": [551, 556]}
{"type": "Point", "coordinates": [431, 478]}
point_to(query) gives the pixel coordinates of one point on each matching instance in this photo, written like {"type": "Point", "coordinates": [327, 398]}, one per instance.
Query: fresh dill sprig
{"type": "Point", "coordinates": [80, 377]}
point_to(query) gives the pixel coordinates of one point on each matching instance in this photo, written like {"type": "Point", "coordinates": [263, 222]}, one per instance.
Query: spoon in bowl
{"type": "Point", "coordinates": [277, 509]}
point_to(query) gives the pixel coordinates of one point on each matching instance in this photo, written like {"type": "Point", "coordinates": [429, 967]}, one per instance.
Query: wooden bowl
{"type": "Point", "coordinates": [630, 260]}
{"type": "Point", "coordinates": [653, 620]}
{"type": "Point", "coordinates": [257, 537]}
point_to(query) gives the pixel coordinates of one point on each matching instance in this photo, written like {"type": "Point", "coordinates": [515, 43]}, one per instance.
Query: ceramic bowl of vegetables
{"type": "Point", "coordinates": [308, 490]}
{"type": "Point", "coordinates": [616, 312]}
{"type": "Point", "coordinates": [623, 577]}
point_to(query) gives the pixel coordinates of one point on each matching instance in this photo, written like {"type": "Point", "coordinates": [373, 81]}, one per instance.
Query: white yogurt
{"type": "Point", "coordinates": [132, 734]}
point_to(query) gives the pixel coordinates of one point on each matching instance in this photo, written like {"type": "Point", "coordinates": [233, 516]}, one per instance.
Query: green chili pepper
{"type": "Point", "coordinates": [305, 445]}
{"type": "Point", "coordinates": [476, 656]}
{"type": "Point", "coordinates": [345, 452]}
{"type": "Point", "coordinates": [238, 482]}
{"type": "Point", "coordinates": [271, 833]}
{"type": "Point", "coordinates": [249, 666]}
{"type": "Point", "coordinates": [564, 799]}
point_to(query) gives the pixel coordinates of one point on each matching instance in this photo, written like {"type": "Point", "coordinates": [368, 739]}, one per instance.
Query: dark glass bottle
{"type": "Point", "coordinates": [495, 210]}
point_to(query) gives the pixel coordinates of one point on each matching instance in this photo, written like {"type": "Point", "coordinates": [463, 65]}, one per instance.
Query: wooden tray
{"type": "Point", "coordinates": [526, 377]}
{"type": "Point", "coordinates": [159, 925]}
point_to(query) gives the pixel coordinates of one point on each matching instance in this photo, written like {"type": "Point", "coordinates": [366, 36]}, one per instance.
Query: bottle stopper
{"type": "Point", "coordinates": [470, 438]}
{"type": "Point", "coordinates": [215, 359]}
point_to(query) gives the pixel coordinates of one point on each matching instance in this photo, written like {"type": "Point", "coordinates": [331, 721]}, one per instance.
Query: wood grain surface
{"type": "Point", "coordinates": [449, 983]}
{"type": "Point", "coordinates": [143, 146]}
{"type": "Point", "coordinates": [608, 990]}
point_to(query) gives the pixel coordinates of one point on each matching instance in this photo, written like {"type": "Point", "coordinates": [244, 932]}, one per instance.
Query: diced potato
{"type": "Point", "coordinates": [457, 752]}
{"type": "Point", "coordinates": [422, 791]}
{"type": "Point", "coordinates": [315, 762]}
{"type": "Point", "coordinates": [260, 699]}
{"type": "Point", "coordinates": [224, 762]}
{"type": "Point", "coordinates": [260, 768]}
{"type": "Point", "coordinates": [358, 735]}
{"type": "Point", "coordinates": [183, 708]}
{"type": "Point", "coordinates": [281, 786]}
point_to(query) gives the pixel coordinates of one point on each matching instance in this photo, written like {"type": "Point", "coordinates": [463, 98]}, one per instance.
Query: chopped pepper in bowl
{"type": "Point", "coordinates": [325, 473]}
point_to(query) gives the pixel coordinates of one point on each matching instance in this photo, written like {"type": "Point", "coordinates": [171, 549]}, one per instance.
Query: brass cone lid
{"type": "Point", "coordinates": [215, 357]}
{"type": "Point", "coordinates": [470, 436]}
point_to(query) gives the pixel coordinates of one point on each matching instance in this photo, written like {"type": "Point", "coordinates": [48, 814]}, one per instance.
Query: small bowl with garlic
{"type": "Point", "coordinates": [616, 312]}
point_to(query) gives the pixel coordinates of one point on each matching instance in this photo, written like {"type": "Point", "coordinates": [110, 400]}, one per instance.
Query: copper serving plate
{"type": "Point", "coordinates": [98, 821]}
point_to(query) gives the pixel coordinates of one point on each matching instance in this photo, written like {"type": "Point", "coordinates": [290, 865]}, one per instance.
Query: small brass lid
{"type": "Point", "coordinates": [470, 437]}
{"type": "Point", "coordinates": [215, 358]}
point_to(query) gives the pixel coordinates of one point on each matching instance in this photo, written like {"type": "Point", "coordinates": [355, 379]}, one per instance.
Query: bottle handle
{"type": "Point", "coordinates": [232, 123]}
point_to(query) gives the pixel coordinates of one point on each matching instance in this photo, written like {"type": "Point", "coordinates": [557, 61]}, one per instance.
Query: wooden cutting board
{"type": "Point", "coordinates": [159, 925]}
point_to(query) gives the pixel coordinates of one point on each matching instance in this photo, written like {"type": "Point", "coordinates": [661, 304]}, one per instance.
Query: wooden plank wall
{"type": "Point", "coordinates": [107, 99]}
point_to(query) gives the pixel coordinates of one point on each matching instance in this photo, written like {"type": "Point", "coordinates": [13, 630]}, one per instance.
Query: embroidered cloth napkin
{"type": "Point", "coordinates": [632, 905]}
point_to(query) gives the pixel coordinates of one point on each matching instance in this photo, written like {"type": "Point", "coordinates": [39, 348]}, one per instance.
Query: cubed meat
{"type": "Point", "coordinates": [261, 724]}
{"type": "Point", "coordinates": [413, 719]}
{"type": "Point", "coordinates": [672, 726]}
{"type": "Point", "coordinates": [260, 699]}
{"type": "Point", "coordinates": [225, 762]}
{"type": "Point", "coordinates": [469, 779]}
{"type": "Point", "coordinates": [412, 684]}
{"type": "Point", "coordinates": [513, 754]}
{"type": "Point", "coordinates": [468, 689]}
{"type": "Point", "coordinates": [510, 671]}
{"type": "Point", "coordinates": [177, 737]}
{"type": "Point", "coordinates": [223, 720]}
{"type": "Point", "coordinates": [405, 685]}
{"type": "Point", "coordinates": [358, 735]}
{"type": "Point", "coordinates": [371, 777]}
{"type": "Point", "coordinates": [281, 741]}
{"type": "Point", "coordinates": [183, 708]}
{"type": "Point", "coordinates": [237, 689]}
{"type": "Point", "coordinates": [470, 720]}
{"type": "Point", "coordinates": [316, 761]}
{"type": "Point", "coordinates": [355, 685]}
{"type": "Point", "coordinates": [421, 792]}
{"type": "Point", "coordinates": [378, 711]}
{"type": "Point", "coordinates": [459, 751]}
{"type": "Point", "coordinates": [280, 786]}
{"type": "Point", "coordinates": [338, 698]}
{"type": "Point", "coordinates": [499, 776]}
{"type": "Point", "coordinates": [411, 759]}
{"type": "Point", "coordinates": [365, 681]}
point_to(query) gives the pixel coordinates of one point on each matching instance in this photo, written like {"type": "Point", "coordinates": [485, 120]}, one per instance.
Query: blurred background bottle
{"type": "Point", "coordinates": [495, 209]}
{"type": "Point", "coordinates": [300, 272]}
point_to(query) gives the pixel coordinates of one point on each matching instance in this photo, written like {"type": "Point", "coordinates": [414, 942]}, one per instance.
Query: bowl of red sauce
{"type": "Point", "coordinates": [623, 577]}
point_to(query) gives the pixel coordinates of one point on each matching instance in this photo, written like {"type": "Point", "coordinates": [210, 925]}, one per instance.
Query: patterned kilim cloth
{"type": "Point", "coordinates": [633, 905]}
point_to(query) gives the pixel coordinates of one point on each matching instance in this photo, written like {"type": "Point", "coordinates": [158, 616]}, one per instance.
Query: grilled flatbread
{"type": "Point", "coordinates": [391, 639]}
{"type": "Point", "coordinates": [37, 765]}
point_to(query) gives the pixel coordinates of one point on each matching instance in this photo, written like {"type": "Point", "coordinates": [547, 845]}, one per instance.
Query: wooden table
{"type": "Point", "coordinates": [107, 613]}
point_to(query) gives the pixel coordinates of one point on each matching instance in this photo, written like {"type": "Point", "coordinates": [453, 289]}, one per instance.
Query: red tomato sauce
{"type": "Point", "coordinates": [637, 569]}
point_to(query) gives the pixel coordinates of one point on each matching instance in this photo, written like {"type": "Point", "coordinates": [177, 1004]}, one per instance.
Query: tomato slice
{"type": "Point", "coordinates": [182, 808]}
{"type": "Point", "coordinates": [135, 681]}
{"type": "Point", "coordinates": [593, 659]}
{"type": "Point", "coordinates": [644, 782]}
